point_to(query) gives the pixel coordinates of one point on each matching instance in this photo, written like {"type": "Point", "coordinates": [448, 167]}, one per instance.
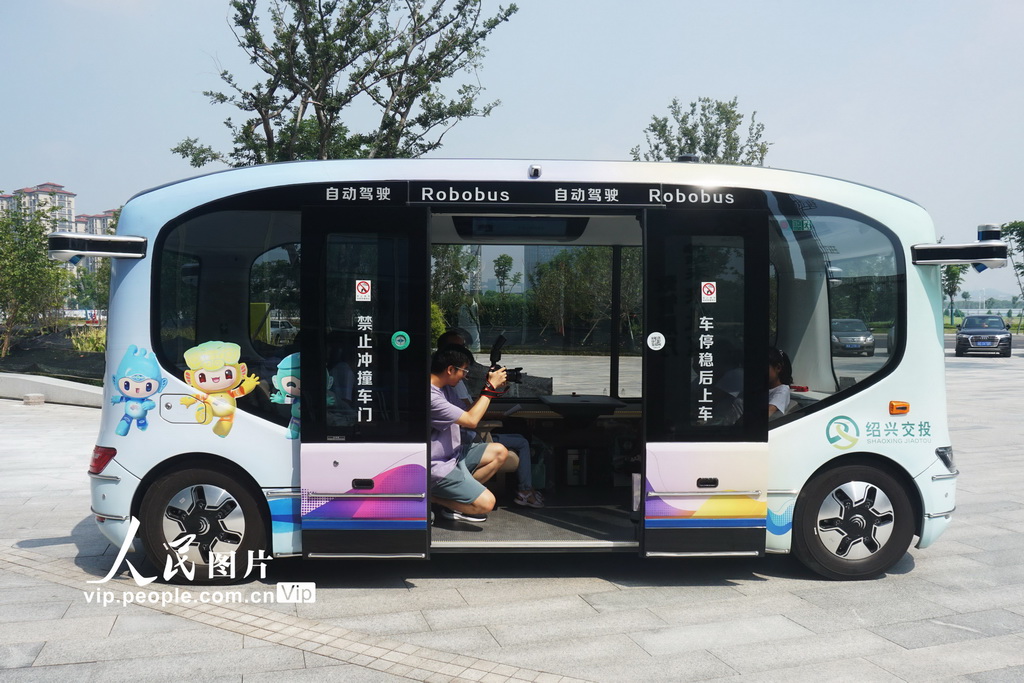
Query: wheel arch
{"type": "Point", "coordinates": [878, 461]}
{"type": "Point", "coordinates": [185, 461]}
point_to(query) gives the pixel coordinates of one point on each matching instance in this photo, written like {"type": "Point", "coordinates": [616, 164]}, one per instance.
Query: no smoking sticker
{"type": "Point", "coordinates": [708, 293]}
{"type": "Point", "coordinates": [363, 290]}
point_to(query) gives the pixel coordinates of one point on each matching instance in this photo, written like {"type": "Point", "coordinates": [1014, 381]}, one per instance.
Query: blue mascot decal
{"type": "Point", "coordinates": [137, 378]}
{"type": "Point", "coordinates": [288, 382]}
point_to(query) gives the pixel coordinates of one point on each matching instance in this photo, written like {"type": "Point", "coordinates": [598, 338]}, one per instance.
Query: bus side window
{"type": "Point", "coordinates": [232, 276]}
{"type": "Point", "coordinates": [179, 300]}
{"type": "Point", "coordinates": [835, 284]}
{"type": "Point", "coordinates": [274, 298]}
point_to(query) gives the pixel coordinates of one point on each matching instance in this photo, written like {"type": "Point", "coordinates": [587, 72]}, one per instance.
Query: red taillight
{"type": "Point", "coordinates": [101, 457]}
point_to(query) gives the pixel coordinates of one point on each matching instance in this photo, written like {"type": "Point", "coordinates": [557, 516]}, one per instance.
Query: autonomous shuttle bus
{"type": "Point", "coordinates": [639, 300]}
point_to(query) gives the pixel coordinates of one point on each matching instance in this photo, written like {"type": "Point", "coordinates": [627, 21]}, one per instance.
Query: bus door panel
{"type": "Point", "coordinates": [705, 381]}
{"type": "Point", "coordinates": [706, 498]}
{"type": "Point", "coordinates": [365, 353]}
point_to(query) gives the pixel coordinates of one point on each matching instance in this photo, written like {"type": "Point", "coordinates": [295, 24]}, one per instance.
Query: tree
{"type": "Point", "coordinates": [320, 57]}
{"type": "Point", "coordinates": [449, 275]}
{"type": "Point", "coordinates": [503, 274]}
{"type": "Point", "coordinates": [87, 290]}
{"type": "Point", "coordinates": [275, 280]}
{"type": "Point", "coordinates": [91, 288]}
{"type": "Point", "coordinates": [952, 279]}
{"type": "Point", "coordinates": [710, 129]}
{"type": "Point", "coordinates": [30, 282]}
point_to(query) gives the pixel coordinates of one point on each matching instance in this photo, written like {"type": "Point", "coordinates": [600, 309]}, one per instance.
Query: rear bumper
{"type": "Point", "coordinates": [112, 493]}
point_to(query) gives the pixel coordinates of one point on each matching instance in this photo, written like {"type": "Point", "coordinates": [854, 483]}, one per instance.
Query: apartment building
{"type": "Point", "coordinates": [43, 197]}
{"type": "Point", "coordinates": [48, 195]}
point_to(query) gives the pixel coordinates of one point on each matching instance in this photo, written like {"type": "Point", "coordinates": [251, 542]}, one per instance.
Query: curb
{"type": "Point", "coordinates": [52, 390]}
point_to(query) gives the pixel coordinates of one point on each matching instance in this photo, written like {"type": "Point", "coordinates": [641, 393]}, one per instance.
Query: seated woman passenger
{"type": "Point", "coordinates": [780, 376]}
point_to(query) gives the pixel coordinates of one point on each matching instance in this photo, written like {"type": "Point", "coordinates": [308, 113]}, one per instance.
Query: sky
{"type": "Point", "coordinates": [922, 98]}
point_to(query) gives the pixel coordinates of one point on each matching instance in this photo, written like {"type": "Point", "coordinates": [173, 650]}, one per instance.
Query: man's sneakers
{"type": "Point", "coordinates": [456, 516]}
{"type": "Point", "coordinates": [529, 498]}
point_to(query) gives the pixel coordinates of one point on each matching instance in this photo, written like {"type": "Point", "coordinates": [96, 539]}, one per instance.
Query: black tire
{"type": "Point", "coordinates": [959, 353]}
{"type": "Point", "coordinates": [221, 512]}
{"type": "Point", "coordinates": [852, 522]}
{"type": "Point", "coordinates": [1006, 353]}
{"type": "Point", "coordinates": [870, 353]}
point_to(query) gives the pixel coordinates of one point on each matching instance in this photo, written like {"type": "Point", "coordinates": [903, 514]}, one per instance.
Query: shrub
{"type": "Point", "coordinates": [89, 339]}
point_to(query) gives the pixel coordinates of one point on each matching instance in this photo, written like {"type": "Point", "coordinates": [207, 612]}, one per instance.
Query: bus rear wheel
{"type": "Point", "coordinates": [210, 511]}
{"type": "Point", "coordinates": [852, 522]}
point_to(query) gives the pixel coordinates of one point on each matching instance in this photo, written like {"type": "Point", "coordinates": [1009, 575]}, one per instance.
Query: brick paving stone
{"type": "Point", "coordinates": [955, 610]}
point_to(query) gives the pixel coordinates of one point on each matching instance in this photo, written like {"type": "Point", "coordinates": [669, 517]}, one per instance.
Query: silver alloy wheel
{"type": "Point", "coordinates": [211, 515]}
{"type": "Point", "coordinates": [855, 520]}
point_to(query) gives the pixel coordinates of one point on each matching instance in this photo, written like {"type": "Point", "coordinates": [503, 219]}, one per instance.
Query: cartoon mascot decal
{"type": "Point", "coordinates": [137, 378]}
{"type": "Point", "coordinates": [288, 382]}
{"type": "Point", "coordinates": [215, 371]}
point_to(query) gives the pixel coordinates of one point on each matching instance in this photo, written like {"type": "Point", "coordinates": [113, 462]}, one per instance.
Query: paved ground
{"type": "Point", "coordinates": [952, 612]}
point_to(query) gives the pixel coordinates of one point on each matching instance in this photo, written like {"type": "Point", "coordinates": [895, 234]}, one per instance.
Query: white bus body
{"type": "Point", "coordinates": [645, 394]}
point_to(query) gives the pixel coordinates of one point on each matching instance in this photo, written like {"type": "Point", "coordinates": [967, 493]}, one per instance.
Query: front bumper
{"type": "Point", "coordinates": [938, 495]}
{"type": "Point", "coordinates": [982, 343]}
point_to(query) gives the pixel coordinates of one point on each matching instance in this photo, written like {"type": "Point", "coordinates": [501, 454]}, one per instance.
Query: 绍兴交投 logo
{"type": "Point", "coordinates": [842, 432]}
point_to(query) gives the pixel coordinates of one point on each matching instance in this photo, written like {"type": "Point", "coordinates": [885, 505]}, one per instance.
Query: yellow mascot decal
{"type": "Point", "coordinates": [215, 371]}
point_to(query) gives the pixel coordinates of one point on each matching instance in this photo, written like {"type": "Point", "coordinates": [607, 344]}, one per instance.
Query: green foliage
{"type": "Point", "coordinates": [320, 57]}
{"type": "Point", "coordinates": [275, 280]}
{"type": "Point", "coordinates": [572, 293]}
{"type": "Point", "coordinates": [504, 311]}
{"type": "Point", "coordinates": [449, 275]}
{"type": "Point", "coordinates": [710, 128]}
{"type": "Point", "coordinates": [437, 326]}
{"type": "Point", "coordinates": [31, 284]}
{"type": "Point", "coordinates": [1013, 234]}
{"type": "Point", "coordinates": [503, 274]}
{"type": "Point", "coordinates": [952, 280]}
{"type": "Point", "coordinates": [91, 288]}
{"type": "Point", "coordinates": [89, 339]}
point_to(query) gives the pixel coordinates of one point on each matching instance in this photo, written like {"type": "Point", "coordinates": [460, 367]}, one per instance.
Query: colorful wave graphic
{"type": "Point", "coordinates": [781, 523]}
{"type": "Point", "coordinates": [405, 479]}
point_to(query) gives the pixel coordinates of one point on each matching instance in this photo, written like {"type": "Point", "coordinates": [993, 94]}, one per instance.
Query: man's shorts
{"type": "Point", "coordinates": [459, 484]}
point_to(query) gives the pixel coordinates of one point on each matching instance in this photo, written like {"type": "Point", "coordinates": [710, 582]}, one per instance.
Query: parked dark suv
{"type": "Point", "coordinates": [983, 333]}
{"type": "Point", "coordinates": [850, 335]}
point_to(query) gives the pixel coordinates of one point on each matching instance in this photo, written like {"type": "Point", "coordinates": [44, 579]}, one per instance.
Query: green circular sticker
{"type": "Point", "coordinates": [400, 340]}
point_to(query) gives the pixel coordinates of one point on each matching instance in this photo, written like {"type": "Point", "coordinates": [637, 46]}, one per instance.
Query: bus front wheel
{"type": "Point", "coordinates": [190, 514]}
{"type": "Point", "coordinates": [852, 522]}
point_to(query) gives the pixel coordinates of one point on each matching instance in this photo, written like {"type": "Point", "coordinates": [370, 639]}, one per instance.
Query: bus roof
{"type": "Point", "coordinates": [285, 173]}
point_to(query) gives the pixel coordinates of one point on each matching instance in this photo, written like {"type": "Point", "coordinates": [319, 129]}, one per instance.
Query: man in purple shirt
{"type": "Point", "coordinates": [458, 473]}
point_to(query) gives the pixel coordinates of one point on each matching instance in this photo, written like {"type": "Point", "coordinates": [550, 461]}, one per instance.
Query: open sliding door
{"type": "Point", "coordinates": [365, 356]}
{"type": "Point", "coordinates": [705, 367]}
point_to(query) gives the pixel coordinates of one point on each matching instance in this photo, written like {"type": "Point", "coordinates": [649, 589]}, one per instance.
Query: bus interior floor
{"type": "Point", "coordinates": [553, 526]}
